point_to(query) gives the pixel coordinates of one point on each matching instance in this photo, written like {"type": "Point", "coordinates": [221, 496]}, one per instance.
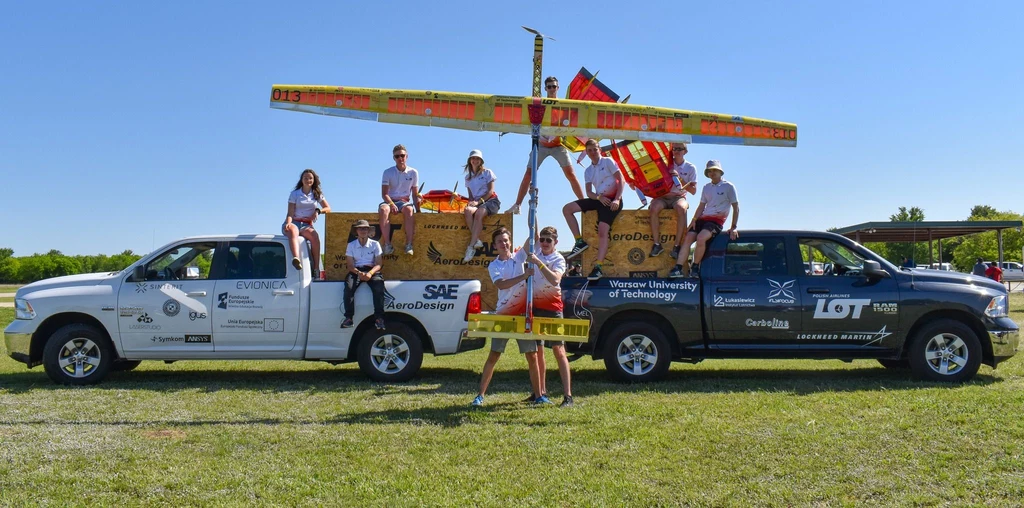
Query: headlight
{"type": "Point", "coordinates": [997, 307]}
{"type": "Point", "coordinates": [23, 309]}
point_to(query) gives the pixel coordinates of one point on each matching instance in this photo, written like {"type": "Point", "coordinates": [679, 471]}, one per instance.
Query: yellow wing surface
{"type": "Point", "coordinates": [506, 113]}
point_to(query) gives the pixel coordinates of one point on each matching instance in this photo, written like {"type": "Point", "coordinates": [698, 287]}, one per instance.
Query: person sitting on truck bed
{"type": "Point", "coordinates": [482, 200]}
{"type": "Point", "coordinates": [684, 176]}
{"type": "Point", "coordinates": [399, 189]}
{"type": "Point", "coordinates": [715, 200]}
{"type": "Point", "coordinates": [549, 146]}
{"type": "Point", "coordinates": [509, 276]}
{"type": "Point", "coordinates": [604, 194]}
{"type": "Point", "coordinates": [302, 213]}
{"type": "Point", "coordinates": [363, 256]}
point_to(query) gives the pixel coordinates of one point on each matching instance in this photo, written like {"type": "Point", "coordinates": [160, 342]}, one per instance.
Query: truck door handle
{"type": "Point", "coordinates": [283, 292]}
{"type": "Point", "coordinates": [818, 290]}
{"type": "Point", "coordinates": [196, 293]}
{"type": "Point", "coordinates": [728, 290]}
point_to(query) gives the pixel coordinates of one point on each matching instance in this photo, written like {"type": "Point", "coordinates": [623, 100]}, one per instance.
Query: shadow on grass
{"type": "Point", "coordinates": [449, 381]}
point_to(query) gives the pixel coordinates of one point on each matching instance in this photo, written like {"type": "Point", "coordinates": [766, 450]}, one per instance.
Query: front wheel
{"type": "Point", "coordinates": [77, 354]}
{"type": "Point", "coordinates": [392, 355]}
{"type": "Point", "coordinates": [945, 350]}
{"type": "Point", "coordinates": [637, 352]}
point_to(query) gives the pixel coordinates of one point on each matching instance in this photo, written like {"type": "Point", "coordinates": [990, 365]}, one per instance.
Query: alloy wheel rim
{"type": "Point", "coordinates": [79, 358]}
{"type": "Point", "coordinates": [637, 354]}
{"type": "Point", "coordinates": [946, 354]}
{"type": "Point", "coordinates": [389, 354]}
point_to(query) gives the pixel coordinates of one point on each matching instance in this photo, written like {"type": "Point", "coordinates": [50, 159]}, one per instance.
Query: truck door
{"type": "Point", "coordinates": [842, 308]}
{"type": "Point", "coordinates": [257, 305]}
{"type": "Point", "coordinates": [752, 294]}
{"type": "Point", "coordinates": [168, 309]}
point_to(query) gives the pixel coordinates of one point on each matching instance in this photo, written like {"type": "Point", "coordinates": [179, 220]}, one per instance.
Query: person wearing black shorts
{"type": "Point", "coordinates": [604, 194]}
{"type": "Point", "coordinates": [716, 200]}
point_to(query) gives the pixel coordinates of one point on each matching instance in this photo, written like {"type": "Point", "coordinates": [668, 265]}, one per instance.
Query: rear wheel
{"type": "Point", "coordinates": [392, 355]}
{"type": "Point", "coordinates": [945, 350]}
{"type": "Point", "coordinates": [637, 352]}
{"type": "Point", "coordinates": [77, 354]}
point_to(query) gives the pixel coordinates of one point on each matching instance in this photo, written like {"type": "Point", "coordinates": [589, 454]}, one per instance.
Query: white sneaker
{"type": "Point", "coordinates": [478, 245]}
{"type": "Point", "coordinates": [408, 249]}
{"type": "Point", "coordinates": [470, 252]}
{"type": "Point", "coordinates": [514, 210]}
{"type": "Point", "coordinates": [388, 249]}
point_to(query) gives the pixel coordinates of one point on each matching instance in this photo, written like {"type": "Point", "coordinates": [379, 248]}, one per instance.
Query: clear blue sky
{"type": "Point", "coordinates": [128, 125]}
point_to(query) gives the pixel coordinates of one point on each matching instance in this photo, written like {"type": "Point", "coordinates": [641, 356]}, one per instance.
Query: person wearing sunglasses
{"type": "Point", "coordinates": [547, 302]}
{"type": "Point", "coordinates": [400, 191]}
{"type": "Point", "coordinates": [549, 146]}
{"type": "Point", "coordinates": [684, 176]}
{"type": "Point", "coordinates": [604, 194]}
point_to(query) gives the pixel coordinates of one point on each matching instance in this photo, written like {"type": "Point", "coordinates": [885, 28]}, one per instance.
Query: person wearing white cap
{"type": "Point", "coordinates": [483, 201]}
{"type": "Point", "coordinates": [716, 199]}
{"type": "Point", "coordinates": [364, 259]}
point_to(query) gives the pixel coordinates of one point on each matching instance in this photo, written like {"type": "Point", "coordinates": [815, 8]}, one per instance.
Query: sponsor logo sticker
{"type": "Point", "coordinates": [171, 308]}
{"type": "Point", "coordinates": [840, 308]}
{"type": "Point", "coordinates": [774, 323]}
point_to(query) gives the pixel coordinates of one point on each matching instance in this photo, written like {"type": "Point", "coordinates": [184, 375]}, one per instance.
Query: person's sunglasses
{"type": "Point", "coordinates": [545, 239]}
{"type": "Point", "coordinates": [678, 149]}
{"type": "Point", "coordinates": [400, 156]}
{"type": "Point", "coordinates": [551, 87]}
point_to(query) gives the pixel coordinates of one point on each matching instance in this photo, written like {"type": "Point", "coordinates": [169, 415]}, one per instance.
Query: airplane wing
{"type": "Point", "coordinates": [505, 113]}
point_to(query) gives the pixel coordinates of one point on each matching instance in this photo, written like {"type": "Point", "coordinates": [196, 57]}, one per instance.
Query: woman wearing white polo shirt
{"type": "Point", "coordinates": [302, 213]}
{"type": "Point", "coordinates": [483, 201]}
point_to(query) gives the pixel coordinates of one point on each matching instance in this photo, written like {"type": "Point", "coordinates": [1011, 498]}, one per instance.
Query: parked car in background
{"type": "Point", "coordinates": [946, 267]}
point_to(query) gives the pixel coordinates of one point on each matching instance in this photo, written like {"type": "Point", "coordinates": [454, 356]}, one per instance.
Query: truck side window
{"type": "Point", "coordinates": [255, 260]}
{"type": "Point", "coordinates": [828, 258]}
{"type": "Point", "coordinates": [184, 262]}
{"type": "Point", "coordinates": [756, 257]}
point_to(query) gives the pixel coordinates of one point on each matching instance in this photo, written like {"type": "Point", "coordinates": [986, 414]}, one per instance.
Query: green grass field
{"type": "Point", "coordinates": [718, 433]}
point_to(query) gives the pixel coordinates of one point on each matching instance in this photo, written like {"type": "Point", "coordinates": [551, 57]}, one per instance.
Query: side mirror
{"type": "Point", "coordinates": [191, 272]}
{"type": "Point", "coordinates": [874, 269]}
{"type": "Point", "coordinates": [139, 274]}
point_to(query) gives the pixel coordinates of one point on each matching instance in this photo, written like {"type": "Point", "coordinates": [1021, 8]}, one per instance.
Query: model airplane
{"type": "Point", "coordinates": [504, 113]}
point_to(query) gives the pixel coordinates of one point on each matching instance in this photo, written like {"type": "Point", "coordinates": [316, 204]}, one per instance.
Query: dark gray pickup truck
{"type": "Point", "coordinates": [795, 294]}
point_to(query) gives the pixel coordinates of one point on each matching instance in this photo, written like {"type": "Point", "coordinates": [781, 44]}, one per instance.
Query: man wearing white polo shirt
{"type": "Point", "coordinates": [400, 191]}
{"type": "Point", "coordinates": [716, 199]}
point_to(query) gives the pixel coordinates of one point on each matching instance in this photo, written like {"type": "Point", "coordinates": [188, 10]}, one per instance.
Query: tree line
{"type": "Point", "coordinates": [24, 269]}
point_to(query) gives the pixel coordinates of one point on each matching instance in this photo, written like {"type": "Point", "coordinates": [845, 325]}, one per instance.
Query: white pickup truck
{"type": "Point", "coordinates": [231, 297]}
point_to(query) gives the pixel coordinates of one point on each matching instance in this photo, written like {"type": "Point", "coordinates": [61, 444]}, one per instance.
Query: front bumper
{"type": "Point", "coordinates": [19, 345]}
{"type": "Point", "coordinates": [1004, 343]}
